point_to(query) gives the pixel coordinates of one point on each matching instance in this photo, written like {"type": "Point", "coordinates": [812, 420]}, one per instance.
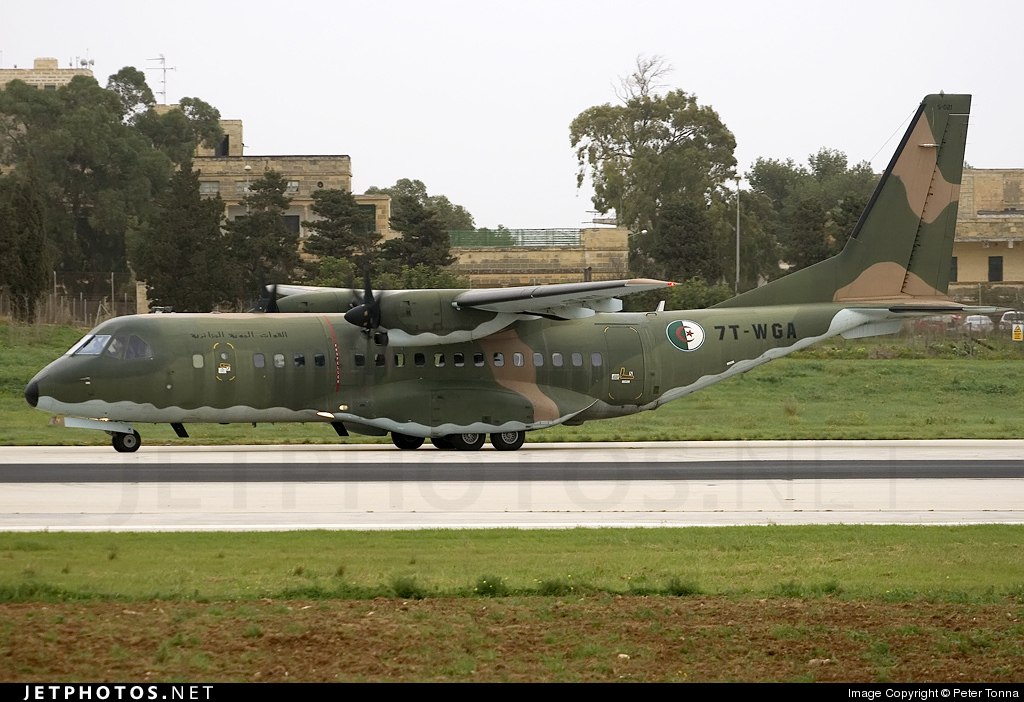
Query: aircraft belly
{"type": "Point", "coordinates": [127, 411]}
{"type": "Point", "coordinates": [418, 408]}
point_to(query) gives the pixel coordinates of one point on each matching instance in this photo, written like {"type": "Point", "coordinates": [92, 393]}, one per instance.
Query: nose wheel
{"type": "Point", "coordinates": [126, 443]}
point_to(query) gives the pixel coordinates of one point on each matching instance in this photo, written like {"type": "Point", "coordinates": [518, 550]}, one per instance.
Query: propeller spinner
{"type": "Point", "coordinates": [367, 314]}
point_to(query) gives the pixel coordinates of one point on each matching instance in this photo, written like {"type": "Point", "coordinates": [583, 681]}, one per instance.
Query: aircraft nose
{"type": "Point", "coordinates": [32, 392]}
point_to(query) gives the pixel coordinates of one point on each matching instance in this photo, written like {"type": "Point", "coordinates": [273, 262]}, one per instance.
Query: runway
{"type": "Point", "coordinates": [543, 485]}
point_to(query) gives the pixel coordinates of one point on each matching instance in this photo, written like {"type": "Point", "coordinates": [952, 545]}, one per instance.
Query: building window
{"type": "Point", "coordinates": [952, 270]}
{"type": "Point", "coordinates": [209, 187]}
{"type": "Point", "coordinates": [368, 213]}
{"type": "Point", "coordinates": [291, 223]}
{"type": "Point", "coordinates": [292, 187]}
{"type": "Point", "coordinates": [995, 269]}
{"type": "Point", "coordinates": [241, 187]}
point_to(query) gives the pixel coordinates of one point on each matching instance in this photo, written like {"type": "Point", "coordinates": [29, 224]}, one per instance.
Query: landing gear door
{"type": "Point", "coordinates": [625, 369]}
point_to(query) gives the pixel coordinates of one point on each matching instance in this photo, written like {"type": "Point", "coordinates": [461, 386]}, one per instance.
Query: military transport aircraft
{"type": "Point", "coordinates": [456, 365]}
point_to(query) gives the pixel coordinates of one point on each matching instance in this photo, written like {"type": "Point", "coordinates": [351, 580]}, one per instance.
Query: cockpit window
{"type": "Point", "coordinates": [121, 346]}
{"type": "Point", "coordinates": [137, 348]}
{"type": "Point", "coordinates": [90, 345]}
{"type": "Point", "coordinates": [117, 346]}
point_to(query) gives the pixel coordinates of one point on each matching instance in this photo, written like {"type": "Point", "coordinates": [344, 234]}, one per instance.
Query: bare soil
{"type": "Point", "coordinates": [598, 638]}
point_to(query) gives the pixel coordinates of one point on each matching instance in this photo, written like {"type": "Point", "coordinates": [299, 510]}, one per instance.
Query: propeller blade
{"type": "Point", "coordinates": [367, 314]}
{"type": "Point", "coordinates": [271, 306]}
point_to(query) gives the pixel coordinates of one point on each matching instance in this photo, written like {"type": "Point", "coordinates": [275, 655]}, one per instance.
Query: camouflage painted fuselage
{"type": "Point", "coordinates": [309, 368]}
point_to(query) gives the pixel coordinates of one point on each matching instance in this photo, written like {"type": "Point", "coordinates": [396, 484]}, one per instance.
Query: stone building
{"type": "Point", "coordinates": [536, 257]}
{"type": "Point", "coordinates": [989, 244]}
{"type": "Point", "coordinates": [225, 171]}
{"type": "Point", "coordinates": [45, 74]}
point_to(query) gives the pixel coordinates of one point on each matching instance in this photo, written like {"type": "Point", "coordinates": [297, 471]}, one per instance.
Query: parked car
{"type": "Point", "coordinates": [931, 324]}
{"type": "Point", "coordinates": [1009, 319]}
{"type": "Point", "coordinates": [978, 323]}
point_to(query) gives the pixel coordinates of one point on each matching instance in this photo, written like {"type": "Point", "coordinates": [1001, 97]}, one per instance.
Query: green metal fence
{"type": "Point", "coordinates": [515, 237]}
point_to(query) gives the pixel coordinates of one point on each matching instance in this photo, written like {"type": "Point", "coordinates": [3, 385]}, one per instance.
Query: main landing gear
{"type": "Point", "coordinates": [504, 441]}
{"type": "Point", "coordinates": [126, 443]}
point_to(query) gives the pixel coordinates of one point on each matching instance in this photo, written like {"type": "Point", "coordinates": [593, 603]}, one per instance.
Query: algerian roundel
{"type": "Point", "coordinates": [685, 335]}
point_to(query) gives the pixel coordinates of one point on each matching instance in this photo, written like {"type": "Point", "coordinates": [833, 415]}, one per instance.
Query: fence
{"type": "Point", "coordinates": [515, 237]}
{"type": "Point", "coordinates": [79, 299]}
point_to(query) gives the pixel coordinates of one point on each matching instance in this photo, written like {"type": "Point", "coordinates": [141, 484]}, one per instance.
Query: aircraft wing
{"type": "Point", "coordinates": [560, 301]}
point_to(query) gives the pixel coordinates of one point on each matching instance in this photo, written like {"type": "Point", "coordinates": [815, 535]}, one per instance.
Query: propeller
{"type": "Point", "coordinates": [268, 302]}
{"type": "Point", "coordinates": [367, 313]}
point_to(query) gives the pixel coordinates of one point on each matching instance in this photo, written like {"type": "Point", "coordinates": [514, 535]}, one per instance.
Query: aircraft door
{"type": "Point", "coordinates": [223, 372]}
{"type": "Point", "coordinates": [625, 369]}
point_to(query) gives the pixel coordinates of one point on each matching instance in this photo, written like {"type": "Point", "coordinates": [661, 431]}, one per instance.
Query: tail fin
{"type": "Point", "coordinates": [899, 252]}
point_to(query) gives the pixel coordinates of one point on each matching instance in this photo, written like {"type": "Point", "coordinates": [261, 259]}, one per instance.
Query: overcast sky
{"type": "Point", "coordinates": [475, 98]}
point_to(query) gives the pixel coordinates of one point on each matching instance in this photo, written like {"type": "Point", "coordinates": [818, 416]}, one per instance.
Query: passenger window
{"type": "Point", "coordinates": [439, 360]}
{"type": "Point", "coordinates": [278, 360]}
{"type": "Point", "coordinates": [596, 360]}
{"type": "Point", "coordinates": [319, 360]}
{"type": "Point", "coordinates": [360, 360]}
{"type": "Point", "coordinates": [499, 358]}
{"type": "Point", "coordinates": [538, 359]}
{"type": "Point", "coordinates": [378, 360]}
{"type": "Point", "coordinates": [518, 359]}
{"type": "Point", "coordinates": [577, 359]}
{"type": "Point", "coordinates": [300, 360]}
{"type": "Point", "coordinates": [399, 360]}
{"type": "Point", "coordinates": [460, 360]}
{"type": "Point", "coordinates": [556, 360]}
{"type": "Point", "coordinates": [197, 360]}
{"type": "Point", "coordinates": [259, 360]}
{"type": "Point", "coordinates": [420, 360]}
{"type": "Point", "coordinates": [478, 359]}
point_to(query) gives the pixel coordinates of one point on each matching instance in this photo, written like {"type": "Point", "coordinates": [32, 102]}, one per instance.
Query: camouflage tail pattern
{"type": "Point", "coordinates": [899, 252]}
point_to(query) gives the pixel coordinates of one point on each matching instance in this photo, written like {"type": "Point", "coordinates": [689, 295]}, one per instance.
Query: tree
{"type": "Point", "coordinates": [262, 245]}
{"type": "Point", "coordinates": [183, 255]}
{"type": "Point", "coordinates": [808, 238]}
{"type": "Point", "coordinates": [651, 149]}
{"type": "Point", "coordinates": [25, 259]}
{"type": "Point", "coordinates": [405, 191]}
{"type": "Point", "coordinates": [136, 97]}
{"type": "Point", "coordinates": [343, 231]}
{"type": "Point", "coordinates": [424, 237]}
{"type": "Point", "coordinates": [681, 245]}
{"type": "Point", "coordinates": [813, 209]}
